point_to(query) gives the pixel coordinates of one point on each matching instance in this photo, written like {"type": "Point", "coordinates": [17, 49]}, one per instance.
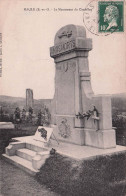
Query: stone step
{"type": "Point", "coordinates": [25, 153]}
{"type": "Point", "coordinates": [21, 163]}
{"type": "Point", "coordinates": [35, 148]}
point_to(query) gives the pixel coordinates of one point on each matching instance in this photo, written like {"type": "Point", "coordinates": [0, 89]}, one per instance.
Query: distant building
{"type": "Point", "coordinates": [29, 99]}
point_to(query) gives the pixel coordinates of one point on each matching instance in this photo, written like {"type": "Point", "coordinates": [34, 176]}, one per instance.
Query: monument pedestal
{"type": "Point", "coordinates": [100, 138]}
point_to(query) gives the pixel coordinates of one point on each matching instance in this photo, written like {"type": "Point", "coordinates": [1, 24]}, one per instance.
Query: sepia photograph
{"type": "Point", "coordinates": [62, 98]}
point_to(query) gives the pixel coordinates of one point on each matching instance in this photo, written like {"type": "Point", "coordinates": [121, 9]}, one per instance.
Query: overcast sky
{"type": "Point", "coordinates": [27, 36]}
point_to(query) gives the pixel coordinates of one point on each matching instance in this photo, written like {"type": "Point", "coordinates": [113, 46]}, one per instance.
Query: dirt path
{"type": "Point", "coordinates": [15, 182]}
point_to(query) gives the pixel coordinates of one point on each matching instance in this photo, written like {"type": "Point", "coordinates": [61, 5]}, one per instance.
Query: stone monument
{"type": "Point", "coordinates": [79, 116]}
{"type": "Point", "coordinates": [29, 99]}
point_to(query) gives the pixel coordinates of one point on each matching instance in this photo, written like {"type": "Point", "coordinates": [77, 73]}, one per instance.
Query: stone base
{"type": "Point", "coordinates": [76, 136]}
{"type": "Point", "coordinates": [101, 138]}
{"type": "Point", "coordinates": [21, 163]}
{"type": "Point", "coordinates": [29, 156]}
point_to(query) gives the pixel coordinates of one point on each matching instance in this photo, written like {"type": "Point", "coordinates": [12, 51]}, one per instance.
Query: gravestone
{"type": "Point", "coordinates": [74, 97]}
{"type": "Point", "coordinates": [29, 99]}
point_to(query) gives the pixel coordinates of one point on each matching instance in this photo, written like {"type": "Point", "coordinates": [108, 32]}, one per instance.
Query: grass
{"type": "Point", "coordinates": [102, 176]}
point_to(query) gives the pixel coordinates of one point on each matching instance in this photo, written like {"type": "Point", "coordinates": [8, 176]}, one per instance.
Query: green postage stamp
{"type": "Point", "coordinates": [111, 16]}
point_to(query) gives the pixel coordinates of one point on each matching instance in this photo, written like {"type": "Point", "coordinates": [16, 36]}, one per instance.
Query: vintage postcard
{"type": "Point", "coordinates": [63, 97]}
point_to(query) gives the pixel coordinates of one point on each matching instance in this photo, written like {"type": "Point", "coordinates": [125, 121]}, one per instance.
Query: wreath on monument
{"type": "Point", "coordinates": [90, 113]}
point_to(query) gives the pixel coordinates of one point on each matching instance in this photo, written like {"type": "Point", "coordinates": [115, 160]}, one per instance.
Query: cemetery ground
{"type": "Point", "coordinates": [14, 181]}
{"type": "Point", "coordinates": [100, 176]}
